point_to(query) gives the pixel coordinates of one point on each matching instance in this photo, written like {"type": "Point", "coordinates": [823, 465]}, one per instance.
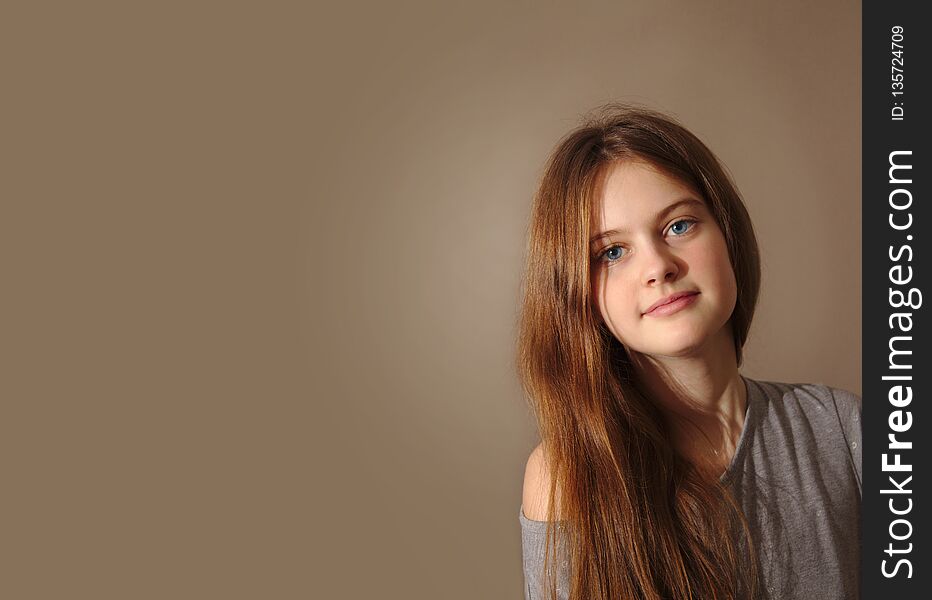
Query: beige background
{"type": "Point", "coordinates": [261, 267]}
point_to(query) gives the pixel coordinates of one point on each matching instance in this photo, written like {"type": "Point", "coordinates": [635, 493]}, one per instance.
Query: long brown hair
{"type": "Point", "coordinates": [636, 520]}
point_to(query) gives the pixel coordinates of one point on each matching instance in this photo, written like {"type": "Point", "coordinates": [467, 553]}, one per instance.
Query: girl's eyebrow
{"type": "Point", "coordinates": [660, 215]}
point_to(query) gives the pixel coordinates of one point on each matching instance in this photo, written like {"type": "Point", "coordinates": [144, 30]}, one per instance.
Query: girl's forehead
{"type": "Point", "coordinates": [637, 170]}
{"type": "Point", "coordinates": [632, 188]}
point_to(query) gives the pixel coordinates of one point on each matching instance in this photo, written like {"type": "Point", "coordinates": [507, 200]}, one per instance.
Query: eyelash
{"type": "Point", "coordinates": [601, 255]}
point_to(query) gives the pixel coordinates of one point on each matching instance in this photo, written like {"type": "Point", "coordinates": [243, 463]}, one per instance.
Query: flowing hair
{"type": "Point", "coordinates": [635, 519]}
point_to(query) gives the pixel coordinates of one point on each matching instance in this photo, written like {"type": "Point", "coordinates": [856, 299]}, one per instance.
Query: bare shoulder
{"type": "Point", "coordinates": [535, 499]}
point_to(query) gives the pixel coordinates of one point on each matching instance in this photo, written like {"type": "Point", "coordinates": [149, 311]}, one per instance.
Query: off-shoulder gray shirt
{"type": "Point", "coordinates": [796, 473]}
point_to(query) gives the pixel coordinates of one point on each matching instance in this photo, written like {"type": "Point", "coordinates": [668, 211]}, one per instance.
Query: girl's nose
{"type": "Point", "coordinates": [660, 265]}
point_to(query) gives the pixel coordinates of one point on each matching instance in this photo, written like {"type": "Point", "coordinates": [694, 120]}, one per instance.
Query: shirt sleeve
{"type": "Point", "coordinates": [533, 543]}
{"type": "Point", "coordinates": [848, 405]}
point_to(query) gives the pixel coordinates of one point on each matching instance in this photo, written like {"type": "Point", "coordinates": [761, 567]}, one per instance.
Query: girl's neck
{"type": "Point", "coordinates": [702, 397]}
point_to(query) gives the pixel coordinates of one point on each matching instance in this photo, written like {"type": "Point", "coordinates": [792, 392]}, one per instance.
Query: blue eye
{"type": "Point", "coordinates": [682, 226]}
{"type": "Point", "coordinates": [612, 253]}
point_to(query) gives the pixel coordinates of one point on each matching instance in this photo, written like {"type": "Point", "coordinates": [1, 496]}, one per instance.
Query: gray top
{"type": "Point", "coordinates": [796, 473]}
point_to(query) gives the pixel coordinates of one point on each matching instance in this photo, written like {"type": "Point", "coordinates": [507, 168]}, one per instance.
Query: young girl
{"type": "Point", "coordinates": [662, 471]}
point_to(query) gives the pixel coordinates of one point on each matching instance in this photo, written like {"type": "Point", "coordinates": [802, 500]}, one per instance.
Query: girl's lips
{"type": "Point", "coordinates": [673, 307]}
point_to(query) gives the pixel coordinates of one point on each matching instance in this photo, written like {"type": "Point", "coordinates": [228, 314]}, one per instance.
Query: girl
{"type": "Point", "coordinates": [663, 472]}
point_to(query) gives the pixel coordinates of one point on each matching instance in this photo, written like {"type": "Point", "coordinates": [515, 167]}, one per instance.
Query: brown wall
{"type": "Point", "coordinates": [264, 264]}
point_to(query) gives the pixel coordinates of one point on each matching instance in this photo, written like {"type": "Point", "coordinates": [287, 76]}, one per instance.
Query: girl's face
{"type": "Point", "coordinates": [653, 239]}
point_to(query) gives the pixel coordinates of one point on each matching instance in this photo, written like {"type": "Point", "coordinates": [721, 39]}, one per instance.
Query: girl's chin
{"type": "Point", "coordinates": [686, 347]}
{"type": "Point", "coordinates": [668, 354]}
